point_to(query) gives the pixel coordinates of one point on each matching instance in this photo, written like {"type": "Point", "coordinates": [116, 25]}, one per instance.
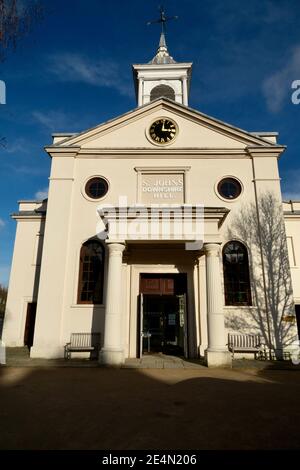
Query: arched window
{"type": "Point", "coordinates": [160, 91]}
{"type": "Point", "coordinates": [91, 273]}
{"type": "Point", "coordinates": [236, 274]}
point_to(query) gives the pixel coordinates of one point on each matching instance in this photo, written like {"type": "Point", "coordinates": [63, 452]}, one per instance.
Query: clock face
{"type": "Point", "coordinates": [163, 131]}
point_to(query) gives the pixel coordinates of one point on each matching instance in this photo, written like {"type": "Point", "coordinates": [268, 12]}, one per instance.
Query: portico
{"type": "Point", "coordinates": [164, 257]}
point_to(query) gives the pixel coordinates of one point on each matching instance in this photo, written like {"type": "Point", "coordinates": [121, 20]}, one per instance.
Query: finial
{"type": "Point", "coordinates": [163, 19]}
{"type": "Point", "coordinates": [162, 55]}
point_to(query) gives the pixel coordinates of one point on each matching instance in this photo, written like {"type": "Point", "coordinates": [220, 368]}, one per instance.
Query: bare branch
{"type": "Point", "coordinates": [272, 294]}
{"type": "Point", "coordinates": [16, 21]}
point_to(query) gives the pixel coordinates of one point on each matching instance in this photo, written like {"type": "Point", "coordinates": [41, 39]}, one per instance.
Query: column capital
{"type": "Point", "coordinates": [115, 247]}
{"type": "Point", "coordinates": [212, 249]}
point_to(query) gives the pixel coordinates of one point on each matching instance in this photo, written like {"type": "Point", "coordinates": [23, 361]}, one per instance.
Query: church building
{"type": "Point", "coordinates": [164, 230]}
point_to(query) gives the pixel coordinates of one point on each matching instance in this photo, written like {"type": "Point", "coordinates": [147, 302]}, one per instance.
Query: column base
{"type": "Point", "coordinates": [111, 357]}
{"type": "Point", "coordinates": [218, 358]}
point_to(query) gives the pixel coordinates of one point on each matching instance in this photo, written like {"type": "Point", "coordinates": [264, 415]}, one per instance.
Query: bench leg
{"type": "Point", "coordinates": [67, 354]}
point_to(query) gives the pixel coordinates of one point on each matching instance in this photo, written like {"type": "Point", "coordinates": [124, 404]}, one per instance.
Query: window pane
{"type": "Point", "coordinates": [229, 188]}
{"type": "Point", "coordinates": [91, 272]}
{"type": "Point", "coordinates": [236, 274]}
{"type": "Point", "coordinates": [96, 188]}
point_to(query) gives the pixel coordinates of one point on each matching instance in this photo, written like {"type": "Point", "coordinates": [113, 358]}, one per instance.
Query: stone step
{"type": "Point", "coordinates": [17, 353]}
{"type": "Point", "coordinates": [161, 361]}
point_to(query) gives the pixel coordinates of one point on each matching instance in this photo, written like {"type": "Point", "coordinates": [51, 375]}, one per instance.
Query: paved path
{"type": "Point", "coordinates": [178, 408]}
{"type": "Point", "coordinates": [19, 357]}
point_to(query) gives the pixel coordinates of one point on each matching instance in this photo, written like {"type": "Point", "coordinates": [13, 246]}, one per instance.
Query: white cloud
{"type": "Point", "coordinates": [52, 120]}
{"type": "Point", "coordinates": [28, 170]}
{"type": "Point", "coordinates": [277, 87]}
{"type": "Point", "coordinates": [41, 194]}
{"type": "Point", "coordinates": [18, 145]}
{"type": "Point", "coordinates": [2, 223]}
{"type": "Point", "coordinates": [71, 67]}
{"type": "Point", "coordinates": [58, 120]}
{"type": "Point", "coordinates": [291, 185]}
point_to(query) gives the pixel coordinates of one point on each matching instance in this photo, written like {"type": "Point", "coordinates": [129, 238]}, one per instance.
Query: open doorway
{"type": "Point", "coordinates": [29, 325]}
{"type": "Point", "coordinates": [162, 314]}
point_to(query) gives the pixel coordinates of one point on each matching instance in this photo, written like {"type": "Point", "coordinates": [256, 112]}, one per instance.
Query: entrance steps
{"type": "Point", "coordinates": [162, 361]}
{"type": "Point", "coordinates": [17, 353]}
{"type": "Point", "coordinates": [17, 356]}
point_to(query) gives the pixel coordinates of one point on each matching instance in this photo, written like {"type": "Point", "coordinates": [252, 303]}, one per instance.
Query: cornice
{"type": "Point", "coordinates": [209, 213]}
{"type": "Point", "coordinates": [162, 153]}
{"type": "Point", "coordinates": [28, 216]}
{"type": "Point", "coordinates": [274, 151]}
{"type": "Point", "coordinates": [179, 152]}
{"type": "Point", "coordinates": [55, 151]}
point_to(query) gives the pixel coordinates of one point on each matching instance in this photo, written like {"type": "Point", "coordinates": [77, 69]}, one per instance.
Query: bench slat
{"type": "Point", "coordinates": [82, 342]}
{"type": "Point", "coordinates": [239, 342]}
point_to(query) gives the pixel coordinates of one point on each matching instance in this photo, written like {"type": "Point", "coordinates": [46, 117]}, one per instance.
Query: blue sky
{"type": "Point", "coordinates": [74, 71]}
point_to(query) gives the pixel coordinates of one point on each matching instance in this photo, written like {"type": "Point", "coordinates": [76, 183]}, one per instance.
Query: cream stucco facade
{"type": "Point", "coordinates": [50, 233]}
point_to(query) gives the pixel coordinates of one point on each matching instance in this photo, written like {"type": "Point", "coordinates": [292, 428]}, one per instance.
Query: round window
{"type": "Point", "coordinates": [96, 188]}
{"type": "Point", "coordinates": [229, 188]}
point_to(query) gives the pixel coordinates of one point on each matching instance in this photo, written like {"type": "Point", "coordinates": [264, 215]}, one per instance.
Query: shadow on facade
{"type": "Point", "coordinates": [272, 296]}
{"type": "Point", "coordinates": [32, 305]}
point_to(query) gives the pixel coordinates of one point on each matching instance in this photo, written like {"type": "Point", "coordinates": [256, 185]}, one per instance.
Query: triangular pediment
{"type": "Point", "coordinates": [195, 131]}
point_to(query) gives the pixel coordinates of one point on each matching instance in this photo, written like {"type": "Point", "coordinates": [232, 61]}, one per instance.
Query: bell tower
{"type": "Point", "coordinates": [162, 76]}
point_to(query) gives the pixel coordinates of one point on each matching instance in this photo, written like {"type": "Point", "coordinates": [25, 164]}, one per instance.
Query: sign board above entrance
{"type": "Point", "coordinates": [158, 188]}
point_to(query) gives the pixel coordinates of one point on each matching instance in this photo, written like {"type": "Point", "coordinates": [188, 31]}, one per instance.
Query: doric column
{"type": "Point", "coordinates": [217, 353]}
{"type": "Point", "coordinates": [112, 351]}
{"type": "Point", "coordinates": [184, 91]}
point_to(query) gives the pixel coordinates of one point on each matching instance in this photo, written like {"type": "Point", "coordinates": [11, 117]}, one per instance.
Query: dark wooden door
{"type": "Point", "coordinates": [157, 286]}
{"type": "Point", "coordinates": [29, 325]}
{"type": "Point", "coordinates": [163, 284]}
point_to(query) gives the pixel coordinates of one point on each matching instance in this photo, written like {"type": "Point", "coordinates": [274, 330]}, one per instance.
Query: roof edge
{"type": "Point", "coordinates": [267, 143]}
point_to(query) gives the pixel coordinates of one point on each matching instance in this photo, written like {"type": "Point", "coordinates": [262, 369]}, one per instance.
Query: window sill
{"type": "Point", "coordinates": [87, 306]}
{"type": "Point", "coordinates": [234, 307]}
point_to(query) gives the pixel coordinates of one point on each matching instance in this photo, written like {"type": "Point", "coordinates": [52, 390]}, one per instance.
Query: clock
{"type": "Point", "coordinates": [163, 131]}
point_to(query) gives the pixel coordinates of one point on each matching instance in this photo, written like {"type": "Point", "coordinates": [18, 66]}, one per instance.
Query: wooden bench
{"type": "Point", "coordinates": [247, 343]}
{"type": "Point", "coordinates": [82, 342]}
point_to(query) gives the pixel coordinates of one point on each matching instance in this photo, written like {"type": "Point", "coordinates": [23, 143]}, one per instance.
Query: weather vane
{"type": "Point", "coordinates": [163, 19]}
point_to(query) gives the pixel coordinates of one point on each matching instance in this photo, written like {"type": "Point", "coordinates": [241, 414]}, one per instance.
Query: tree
{"type": "Point", "coordinates": [3, 297]}
{"type": "Point", "coordinates": [16, 20]}
{"type": "Point", "coordinates": [262, 229]}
